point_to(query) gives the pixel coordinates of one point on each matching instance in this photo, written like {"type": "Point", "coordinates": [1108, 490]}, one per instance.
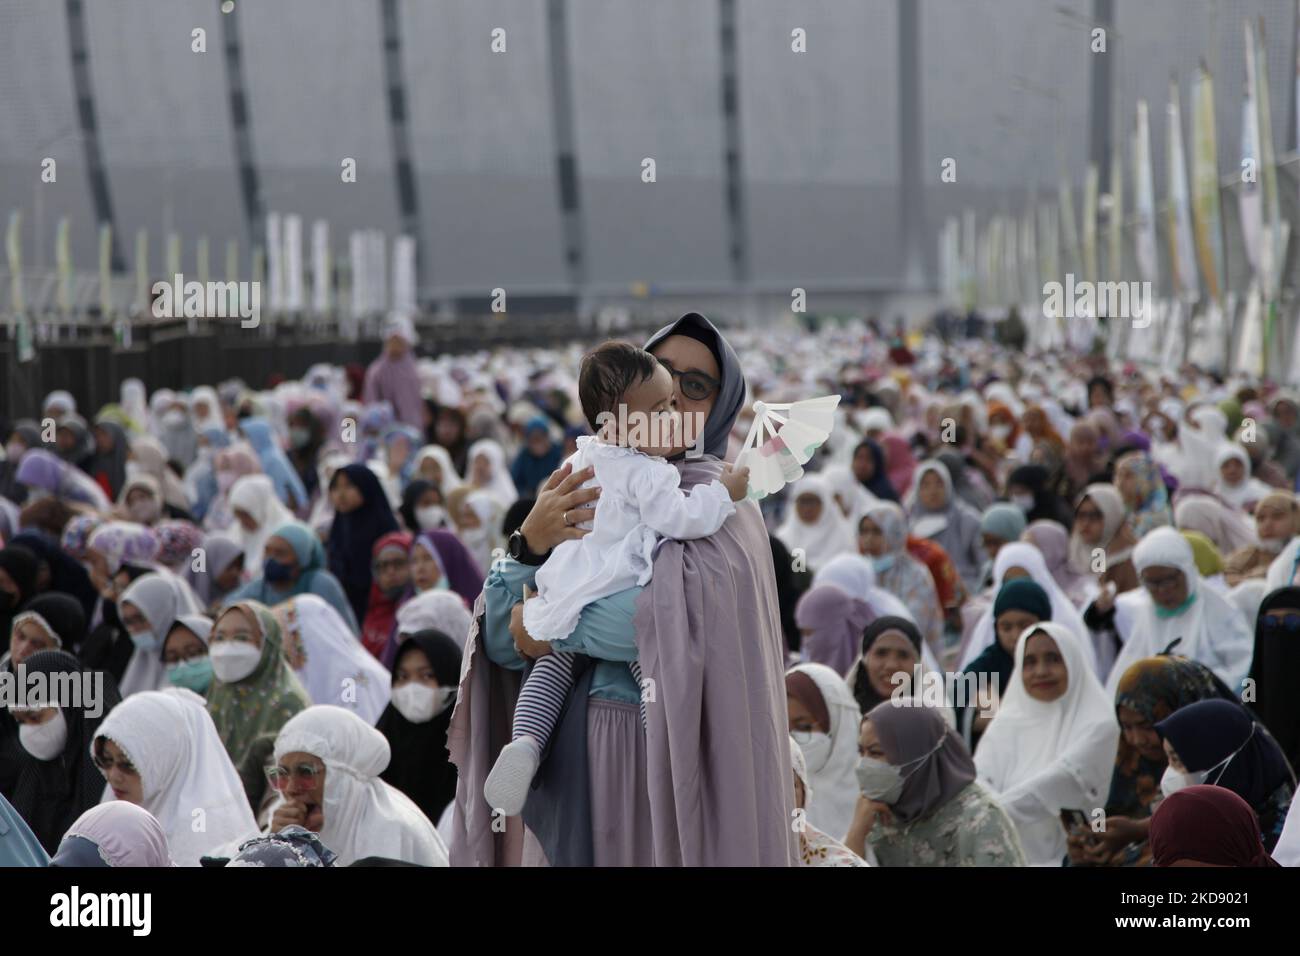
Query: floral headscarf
{"type": "Point", "coordinates": [123, 542]}
{"type": "Point", "coordinates": [1152, 510]}
{"type": "Point", "coordinates": [76, 535]}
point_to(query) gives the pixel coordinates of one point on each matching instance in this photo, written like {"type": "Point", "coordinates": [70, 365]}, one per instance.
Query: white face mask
{"type": "Point", "coordinates": [883, 781]}
{"type": "Point", "coordinates": [14, 450]}
{"type": "Point", "coordinates": [431, 518]}
{"type": "Point", "coordinates": [1173, 781]}
{"type": "Point", "coordinates": [816, 750]}
{"type": "Point", "coordinates": [143, 512]}
{"type": "Point", "coordinates": [44, 741]}
{"type": "Point", "coordinates": [1000, 432]}
{"type": "Point", "coordinates": [1272, 545]}
{"type": "Point", "coordinates": [232, 661]}
{"type": "Point", "coordinates": [174, 418]}
{"type": "Point", "coordinates": [420, 703]}
{"type": "Point", "coordinates": [1024, 502]}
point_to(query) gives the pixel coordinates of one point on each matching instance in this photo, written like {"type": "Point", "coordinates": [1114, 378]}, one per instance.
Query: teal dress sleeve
{"type": "Point", "coordinates": [604, 631]}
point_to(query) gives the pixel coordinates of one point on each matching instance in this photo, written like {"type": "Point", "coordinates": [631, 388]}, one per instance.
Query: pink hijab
{"type": "Point", "coordinates": [900, 463]}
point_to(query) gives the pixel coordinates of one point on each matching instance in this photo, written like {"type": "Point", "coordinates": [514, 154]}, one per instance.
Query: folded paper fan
{"type": "Point", "coordinates": [791, 439]}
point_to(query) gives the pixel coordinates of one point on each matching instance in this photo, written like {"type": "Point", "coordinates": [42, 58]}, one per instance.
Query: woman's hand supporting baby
{"type": "Point", "coordinates": [526, 646]}
{"type": "Point", "coordinates": [561, 505]}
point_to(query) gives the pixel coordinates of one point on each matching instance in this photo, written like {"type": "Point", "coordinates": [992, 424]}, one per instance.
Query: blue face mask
{"type": "Point", "coordinates": [883, 563]}
{"type": "Point", "coordinates": [276, 572]}
{"type": "Point", "coordinates": [145, 640]}
{"type": "Point", "coordinates": [195, 674]}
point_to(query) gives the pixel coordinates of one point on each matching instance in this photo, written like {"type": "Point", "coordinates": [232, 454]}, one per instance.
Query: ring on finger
{"type": "Point", "coordinates": [566, 519]}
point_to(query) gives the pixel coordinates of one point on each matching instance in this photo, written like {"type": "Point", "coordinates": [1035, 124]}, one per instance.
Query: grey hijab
{"type": "Point", "coordinates": [731, 394]}
{"type": "Point", "coordinates": [935, 763]}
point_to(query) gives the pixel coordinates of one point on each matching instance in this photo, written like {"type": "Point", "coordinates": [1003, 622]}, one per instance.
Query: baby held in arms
{"type": "Point", "coordinates": [627, 397]}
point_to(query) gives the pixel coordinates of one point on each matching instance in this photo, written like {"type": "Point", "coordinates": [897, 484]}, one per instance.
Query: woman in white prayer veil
{"type": "Point", "coordinates": [488, 471]}
{"type": "Point", "coordinates": [332, 664]}
{"type": "Point", "coordinates": [848, 493]}
{"type": "Point", "coordinates": [816, 527]}
{"type": "Point", "coordinates": [1052, 744]}
{"type": "Point", "coordinates": [433, 463]}
{"type": "Point", "coordinates": [1174, 604]}
{"type": "Point", "coordinates": [180, 772]}
{"type": "Point", "coordinates": [1025, 556]}
{"type": "Point", "coordinates": [149, 607]}
{"type": "Point", "coordinates": [254, 496]}
{"type": "Point", "coordinates": [1243, 489]}
{"type": "Point", "coordinates": [853, 573]}
{"type": "Point", "coordinates": [824, 720]}
{"type": "Point", "coordinates": [356, 814]}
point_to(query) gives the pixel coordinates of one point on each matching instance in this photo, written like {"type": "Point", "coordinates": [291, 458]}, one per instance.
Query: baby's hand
{"type": "Point", "coordinates": [736, 481]}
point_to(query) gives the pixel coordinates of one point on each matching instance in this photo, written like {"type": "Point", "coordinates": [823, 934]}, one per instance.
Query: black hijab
{"type": "Point", "coordinates": [51, 794]}
{"type": "Point", "coordinates": [111, 464]}
{"type": "Point", "coordinates": [731, 393]}
{"type": "Point", "coordinates": [410, 498]}
{"type": "Point", "coordinates": [1208, 732]}
{"type": "Point", "coordinates": [420, 766]}
{"type": "Point", "coordinates": [863, 692]}
{"type": "Point", "coordinates": [878, 484]}
{"type": "Point", "coordinates": [1276, 673]}
{"type": "Point", "coordinates": [67, 574]}
{"type": "Point", "coordinates": [353, 535]}
{"type": "Point", "coordinates": [1048, 505]}
{"type": "Point", "coordinates": [21, 566]}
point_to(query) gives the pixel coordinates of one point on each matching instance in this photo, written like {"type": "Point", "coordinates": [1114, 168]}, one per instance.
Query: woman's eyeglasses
{"type": "Point", "coordinates": [305, 773]}
{"type": "Point", "coordinates": [106, 764]}
{"type": "Point", "coordinates": [1166, 582]}
{"type": "Point", "coordinates": [694, 385]}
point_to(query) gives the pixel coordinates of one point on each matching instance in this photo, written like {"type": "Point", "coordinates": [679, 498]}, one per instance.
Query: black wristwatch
{"type": "Point", "coordinates": [518, 549]}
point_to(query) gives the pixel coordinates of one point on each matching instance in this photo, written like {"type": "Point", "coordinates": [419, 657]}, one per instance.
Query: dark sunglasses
{"type": "Point", "coordinates": [1287, 622]}
{"type": "Point", "coordinates": [695, 385]}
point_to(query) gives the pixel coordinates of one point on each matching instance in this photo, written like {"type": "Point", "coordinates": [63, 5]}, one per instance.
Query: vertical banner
{"type": "Point", "coordinates": [232, 260]}
{"type": "Point", "coordinates": [1031, 287]}
{"type": "Point", "coordinates": [174, 269]}
{"type": "Point", "coordinates": [1181, 255]}
{"type": "Point", "coordinates": [202, 263]}
{"type": "Point", "coordinates": [969, 264]}
{"type": "Point", "coordinates": [320, 267]}
{"type": "Point", "coordinates": [143, 287]}
{"type": "Point", "coordinates": [1144, 239]}
{"type": "Point", "coordinates": [1090, 224]}
{"type": "Point", "coordinates": [1250, 199]}
{"type": "Point", "coordinates": [358, 253]}
{"type": "Point", "coordinates": [1206, 214]}
{"type": "Point", "coordinates": [1115, 225]}
{"type": "Point", "coordinates": [105, 271]}
{"type": "Point", "coordinates": [293, 282]}
{"type": "Point", "coordinates": [63, 263]}
{"type": "Point", "coordinates": [274, 260]}
{"type": "Point", "coordinates": [1069, 233]}
{"type": "Point", "coordinates": [377, 260]}
{"type": "Point", "coordinates": [404, 275]}
{"type": "Point", "coordinates": [14, 255]}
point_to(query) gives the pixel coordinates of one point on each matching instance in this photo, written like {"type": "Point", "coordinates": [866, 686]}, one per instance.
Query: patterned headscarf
{"type": "Point", "coordinates": [76, 535]}
{"type": "Point", "coordinates": [177, 541]}
{"type": "Point", "coordinates": [291, 846]}
{"type": "Point", "coordinates": [1152, 510]}
{"type": "Point", "coordinates": [1154, 687]}
{"type": "Point", "coordinates": [123, 542]}
{"type": "Point", "coordinates": [263, 701]}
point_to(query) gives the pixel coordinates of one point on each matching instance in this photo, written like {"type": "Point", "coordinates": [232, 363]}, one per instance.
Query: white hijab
{"type": "Point", "coordinates": [1212, 629]}
{"type": "Point", "coordinates": [831, 535]}
{"type": "Point", "coordinates": [185, 772]}
{"type": "Point", "coordinates": [834, 784]}
{"type": "Point", "coordinates": [451, 480]}
{"type": "Point", "coordinates": [1041, 758]}
{"type": "Point", "coordinates": [1228, 529]}
{"type": "Point", "coordinates": [336, 668]}
{"type": "Point", "coordinates": [256, 495]}
{"type": "Point", "coordinates": [364, 816]}
{"type": "Point", "coordinates": [500, 485]}
{"type": "Point", "coordinates": [1249, 489]}
{"type": "Point", "coordinates": [436, 610]}
{"type": "Point", "coordinates": [841, 482]}
{"type": "Point", "coordinates": [1021, 554]}
{"type": "Point", "coordinates": [159, 598]}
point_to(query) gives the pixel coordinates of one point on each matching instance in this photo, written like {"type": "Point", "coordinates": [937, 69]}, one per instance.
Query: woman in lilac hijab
{"type": "Point", "coordinates": [704, 783]}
